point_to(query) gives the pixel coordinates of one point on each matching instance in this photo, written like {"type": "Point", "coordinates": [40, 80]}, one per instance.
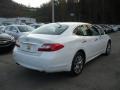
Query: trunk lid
{"type": "Point", "coordinates": [32, 42]}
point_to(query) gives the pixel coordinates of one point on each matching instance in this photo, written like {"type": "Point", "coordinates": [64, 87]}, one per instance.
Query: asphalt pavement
{"type": "Point", "coordinates": [102, 73]}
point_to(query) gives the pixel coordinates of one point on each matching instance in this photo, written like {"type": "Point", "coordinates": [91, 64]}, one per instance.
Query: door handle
{"type": "Point", "coordinates": [84, 41]}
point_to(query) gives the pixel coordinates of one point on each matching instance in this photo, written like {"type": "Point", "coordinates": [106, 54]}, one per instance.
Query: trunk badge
{"type": "Point", "coordinates": [29, 47]}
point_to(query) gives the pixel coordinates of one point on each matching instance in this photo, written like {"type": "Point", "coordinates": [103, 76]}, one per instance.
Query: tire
{"type": "Point", "coordinates": [108, 49]}
{"type": "Point", "coordinates": [77, 64]}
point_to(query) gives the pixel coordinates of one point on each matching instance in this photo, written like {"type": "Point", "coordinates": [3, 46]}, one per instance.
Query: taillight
{"type": "Point", "coordinates": [50, 47]}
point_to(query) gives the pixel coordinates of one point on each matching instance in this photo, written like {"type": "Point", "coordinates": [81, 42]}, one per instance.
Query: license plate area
{"type": "Point", "coordinates": [28, 47]}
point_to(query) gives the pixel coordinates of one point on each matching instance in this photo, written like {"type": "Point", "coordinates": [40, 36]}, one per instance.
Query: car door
{"type": "Point", "coordinates": [95, 37]}
{"type": "Point", "coordinates": [85, 42]}
{"type": "Point", "coordinates": [103, 40]}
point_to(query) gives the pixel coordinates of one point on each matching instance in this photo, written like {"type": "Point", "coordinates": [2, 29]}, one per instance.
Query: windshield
{"type": "Point", "coordinates": [25, 28]}
{"type": "Point", "coordinates": [51, 29]}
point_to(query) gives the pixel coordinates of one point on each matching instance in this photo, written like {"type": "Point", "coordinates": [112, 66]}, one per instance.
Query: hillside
{"type": "Point", "coordinates": [8, 8]}
{"type": "Point", "coordinates": [93, 11]}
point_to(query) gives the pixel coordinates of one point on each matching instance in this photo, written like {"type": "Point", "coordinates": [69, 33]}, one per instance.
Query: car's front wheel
{"type": "Point", "coordinates": [77, 64]}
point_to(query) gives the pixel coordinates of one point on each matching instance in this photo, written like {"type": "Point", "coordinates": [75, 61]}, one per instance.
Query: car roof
{"type": "Point", "coordinates": [72, 23]}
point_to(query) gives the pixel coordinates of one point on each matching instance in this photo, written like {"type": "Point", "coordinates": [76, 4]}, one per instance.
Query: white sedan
{"type": "Point", "coordinates": [65, 46]}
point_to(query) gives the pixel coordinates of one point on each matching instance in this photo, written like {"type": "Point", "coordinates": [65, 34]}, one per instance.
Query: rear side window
{"type": "Point", "coordinates": [92, 31]}
{"type": "Point", "coordinates": [51, 29]}
{"type": "Point", "coordinates": [83, 30]}
{"type": "Point", "coordinates": [79, 31]}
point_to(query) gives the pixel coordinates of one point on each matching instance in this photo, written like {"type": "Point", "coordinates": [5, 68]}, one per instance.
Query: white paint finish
{"type": "Point", "coordinates": [60, 60]}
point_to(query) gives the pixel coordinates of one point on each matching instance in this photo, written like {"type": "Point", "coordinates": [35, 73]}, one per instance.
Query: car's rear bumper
{"type": "Point", "coordinates": [49, 63]}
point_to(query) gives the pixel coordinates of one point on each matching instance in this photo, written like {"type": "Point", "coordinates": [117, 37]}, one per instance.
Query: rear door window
{"type": "Point", "coordinates": [79, 30]}
{"type": "Point", "coordinates": [85, 30]}
{"type": "Point", "coordinates": [91, 31]}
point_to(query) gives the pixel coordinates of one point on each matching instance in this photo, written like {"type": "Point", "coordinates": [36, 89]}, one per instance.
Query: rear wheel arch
{"type": "Point", "coordinates": [78, 63]}
{"type": "Point", "coordinates": [82, 51]}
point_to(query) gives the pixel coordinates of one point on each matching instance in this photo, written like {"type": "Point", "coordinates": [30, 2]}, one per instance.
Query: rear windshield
{"type": "Point", "coordinates": [51, 29]}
